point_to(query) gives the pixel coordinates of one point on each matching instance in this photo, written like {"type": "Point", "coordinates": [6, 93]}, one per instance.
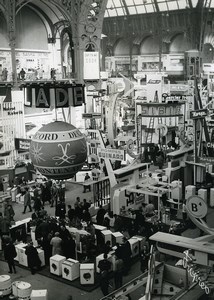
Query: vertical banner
{"type": "Point", "coordinates": [91, 66]}
{"type": "Point", "coordinates": [154, 87]}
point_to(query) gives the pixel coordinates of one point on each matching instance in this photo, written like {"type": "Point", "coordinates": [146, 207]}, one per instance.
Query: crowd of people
{"type": "Point", "coordinates": [52, 234]}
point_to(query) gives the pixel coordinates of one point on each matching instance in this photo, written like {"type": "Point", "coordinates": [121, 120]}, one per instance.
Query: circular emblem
{"type": "Point", "coordinates": [90, 28]}
{"type": "Point", "coordinates": [196, 207]}
{"type": "Point", "coordinates": [161, 130]}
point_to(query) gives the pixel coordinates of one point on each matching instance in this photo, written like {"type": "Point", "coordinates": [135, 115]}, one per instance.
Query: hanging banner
{"type": "Point", "coordinates": [91, 66]}
{"type": "Point", "coordinates": [59, 95]}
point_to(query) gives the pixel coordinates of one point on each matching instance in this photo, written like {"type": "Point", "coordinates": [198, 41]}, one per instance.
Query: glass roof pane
{"type": "Point", "coordinates": [210, 4]}
{"type": "Point", "coordinates": [172, 5]}
{"type": "Point", "coordinates": [162, 6]}
{"type": "Point", "coordinates": [110, 4]}
{"type": "Point", "coordinates": [194, 3]}
{"type": "Point", "coordinates": [120, 11]}
{"type": "Point", "coordinates": [112, 12]}
{"type": "Point", "coordinates": [138, 2]}
{"type": "Point", "coordinates": [140, 9]}
{"type": "Point", "coordinates": [117, 3]}
{"type": "Point", "coordinates": [149, 8]}
{"type": "Point", "coordinates": [130, 2]}
{"type": "Point", "coordinates": [132, 10]}
{"type": "Point", "coordinates": [106, 14]}
{"type": "Point", "coordinates": [182, 4]}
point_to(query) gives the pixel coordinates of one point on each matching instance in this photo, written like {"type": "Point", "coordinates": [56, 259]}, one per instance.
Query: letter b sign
{"type": "Point", "coordinates": [196, 207]}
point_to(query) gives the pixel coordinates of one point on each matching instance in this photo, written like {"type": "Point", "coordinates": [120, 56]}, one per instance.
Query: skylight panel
{"type": "Point", "coordinates": [132, 10]}
{"type": "Point", "coordinates": [140, 9]}
{"type": "Point", "coordinates": [172, 5]}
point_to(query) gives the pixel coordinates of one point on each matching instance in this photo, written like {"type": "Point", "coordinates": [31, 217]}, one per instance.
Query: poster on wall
{"type": "Point", "coordinates": [91, 66]}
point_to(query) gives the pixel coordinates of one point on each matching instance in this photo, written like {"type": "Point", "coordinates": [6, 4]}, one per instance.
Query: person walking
{"type": "Point", "coordinates": [10, 254]}
{"type": "Point", "coordinates": [27, 200]}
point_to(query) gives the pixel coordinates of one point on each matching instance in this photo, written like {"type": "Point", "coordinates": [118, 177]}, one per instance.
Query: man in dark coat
{"type": "Point", "coordinates": [32, 258]}
{"type": "Point", "coordinates": [9, 255]}
{"type": "Point", "coordinates": [104, 265]}
{"type": "Point", "coordinates": [100, 215]}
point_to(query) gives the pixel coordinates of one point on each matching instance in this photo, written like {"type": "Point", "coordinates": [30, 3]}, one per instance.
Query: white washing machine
{"type": "Point", "coordinates": [107, 234]}
{"type": "Point", "coordinates": [134, 243]}
{"type": "Point", "coordinates": [176, 192]}
{"type": "Point", "coordinates": [212, 197]}
{"type": "Point", "coordinates": [117, 237]}
{"type": "Point", "coordinates": [39, 295]}
{"type": "Point", "coordinates": [41, 256]}
{"type": "Point", "coordinates": [141, 241]}
{"type": "Point", "coordinates": [203, 194]}
{"type": "Point", "coordinates": [86, 273]}
{"type": "Point", "coordinates": [21, 256]}
{"type": "Point", "coordinates": [56, 264]}
{"type": "Point", "coordinates": [70, 269]}
{"type": "Point", "coordinates": [190, 190]}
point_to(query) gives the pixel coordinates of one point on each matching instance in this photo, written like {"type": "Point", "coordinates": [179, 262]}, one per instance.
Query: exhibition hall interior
{"type": "Point", "coordinates": [107, 149]}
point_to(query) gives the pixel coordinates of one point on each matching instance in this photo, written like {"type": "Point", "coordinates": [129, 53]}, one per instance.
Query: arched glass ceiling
{"type": "Point", "coordinates": [133, 7]}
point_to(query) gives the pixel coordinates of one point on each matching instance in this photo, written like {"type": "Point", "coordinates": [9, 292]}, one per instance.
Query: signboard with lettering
{"type": "Point", "coordinates": [22, 144]}
{"type": "Point", "coordinates": [154, 87]}
{"type": "Point", "coordinates": [91, 115]}
{"type": "Point", "coordinates": [113, 154]}
{"type": "Point", "coordinates": [46, 95]}
{"type": "Point", "coordinates": [198, 114]}
{"type": "Point", "coordinates": [91, 66]}
{"type": "Point", "coordinates": [196, 207]}
{"type": "Point", "coordinates": [161, 109]}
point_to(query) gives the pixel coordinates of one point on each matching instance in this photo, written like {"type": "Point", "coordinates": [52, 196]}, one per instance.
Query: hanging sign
{"type": "Point", "coordinates": [196, 207]}
{"type": "Point", "coordinates": [114, 154]}
{"type": "Point", "coordinates": [22, 144]}
{"type": "Point", "coordinates": [46, 95]}
{"type": "Point", "coordinates": [154, 87]}
{"type": "Point", "coordinates": [91, 66]}
{"type": "Point", "coordinates": [198, 114]}
{"type": "Point", "coordinates": [91, 115]}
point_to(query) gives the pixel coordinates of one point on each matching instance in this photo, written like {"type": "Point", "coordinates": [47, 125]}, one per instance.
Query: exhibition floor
{"type": "Point", "coordinates": [57, 289]}
{"type": "Point", "coordinates": [60, 290]}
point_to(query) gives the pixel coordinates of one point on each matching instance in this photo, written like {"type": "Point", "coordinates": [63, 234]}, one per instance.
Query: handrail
{"type": "Point", "coordinates": [151, 273]}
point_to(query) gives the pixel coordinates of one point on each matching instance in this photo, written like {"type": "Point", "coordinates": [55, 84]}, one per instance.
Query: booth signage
{"type": "Point", "coordinates": [91, 115]}
{"type": "Point", "coordinates": [198, 114]}
{"type": "Point", "coordinates": [208, 160]}
{"type": "Point", "coordinates": [91, 65]}
{"type": "Point", "coordinates": [161, 109]}
{"type": "Point", "coordinates": [22, 144]}
{"type": "Point", "coordinates": [114, 154]}
{"type": "Point", "coordinates": [56, 96]}
{"type": "Point", "coordinates": [196, 207]}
